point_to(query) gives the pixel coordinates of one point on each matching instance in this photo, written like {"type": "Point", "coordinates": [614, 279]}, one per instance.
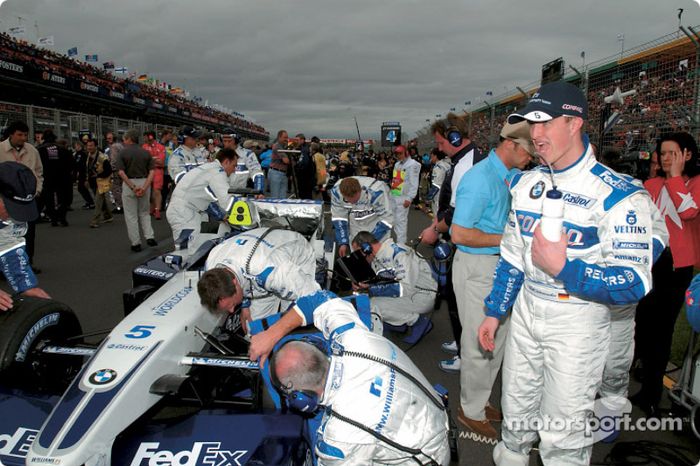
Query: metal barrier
{"type": "Point", "coordinates": [69, 125]}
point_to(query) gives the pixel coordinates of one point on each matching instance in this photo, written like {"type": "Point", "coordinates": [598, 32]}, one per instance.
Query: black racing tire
{"type": "Point", "coordinates": [32, 322]}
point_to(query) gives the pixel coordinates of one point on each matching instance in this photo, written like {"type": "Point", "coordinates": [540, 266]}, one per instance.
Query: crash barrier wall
{"type": "Point", "coordinates": [70, 125]}
{"type": "Point", "coordinates": [661, 77]}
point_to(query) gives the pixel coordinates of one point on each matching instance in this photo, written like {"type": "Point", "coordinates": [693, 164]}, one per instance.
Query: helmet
{"type": "Point", "coordinates": [692, 303]}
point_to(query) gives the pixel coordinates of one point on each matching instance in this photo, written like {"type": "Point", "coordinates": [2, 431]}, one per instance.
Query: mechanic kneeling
{"type": "Point", "coordinates": [199, 191]}
{"type": "Point", "coordinates": [17, 207]}
{"type": "Point", "coordinates": [262, 270]}
{"type": "Point", "coordinates": [378, 406]}
{"type": "Point", "coordinates": [411, 294]}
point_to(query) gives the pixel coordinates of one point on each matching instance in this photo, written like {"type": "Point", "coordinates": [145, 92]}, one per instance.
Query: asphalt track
{"type": "Point", "coordinates": [88, 269]}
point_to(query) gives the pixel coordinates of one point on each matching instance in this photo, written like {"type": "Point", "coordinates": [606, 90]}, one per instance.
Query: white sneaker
{"type": "Point", "coordinates": [451, 365]}
{"type": "Point", "coordinates": [450, 347]}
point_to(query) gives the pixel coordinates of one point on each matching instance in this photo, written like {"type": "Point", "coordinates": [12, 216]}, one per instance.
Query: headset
{"type": "Point", "coordinates": [366, 248]}
{"type": "Point", "coordinates": [305, 401]}
{"type": "Point", "coordinates": [453, 134]}
{"type": "Point", "coordinates": [308, 401]}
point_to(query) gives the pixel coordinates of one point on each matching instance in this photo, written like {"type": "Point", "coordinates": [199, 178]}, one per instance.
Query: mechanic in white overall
{"type": "Point", "coordinates": [412, 294]}
{"type": "Point", "coordinates": [201, 191]}
{"type": "Point", "coordinates": [263, 270]}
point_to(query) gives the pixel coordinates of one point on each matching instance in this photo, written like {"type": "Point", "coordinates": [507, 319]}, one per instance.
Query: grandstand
{"type": "Point", "coordinates": [662, 73]}
{"type": "Point", "coordinates": [48, 89]}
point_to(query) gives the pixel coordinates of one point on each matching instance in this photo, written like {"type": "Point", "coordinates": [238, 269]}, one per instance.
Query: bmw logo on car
{"type": "Point", "coordinates": [103, 376]}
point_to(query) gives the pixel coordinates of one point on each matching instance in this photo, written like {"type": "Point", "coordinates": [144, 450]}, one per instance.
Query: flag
{"type": "Point", "coordinates": [108, 65]}
{"type": "Point", "coordinates": [142, 77]}
{"type": "Point", "coordinates": [17, 31]}
{"type": "Point", "coordinates": [583, 54]}
{"type": "Point", "coordinates": [468, 102]}
{"type": "Point", "coordinates": [620, 37]}
{"type": "Point", "coordinates": [453, 109]}
{"type": "Point", "coordinates": [73, 52]}
{"type": "Point", "coordinates": [121, 70]}
{"type": "Point", "coordinates": [48, 40]}
{"type": "Point", "coordinates": [489, 92]}
{"type": "Point", "coordinates": [91, 58]}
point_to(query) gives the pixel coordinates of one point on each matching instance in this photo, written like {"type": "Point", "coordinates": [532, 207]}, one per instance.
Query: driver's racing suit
{"type": "Point", "coordinates": [560, 326]}
{"type": "Point", "coordinates": [274, 268]}
{"type": "Point", "coordinates": [14, 261]}
{"type": "Point", "coordinates": [202, 190]}
{"type": "Point", "coordinates": [415, 289]}
{"type": "Point", "coordinates": [371, 213]}
{"type": "Point", "coordinates": [248, 167]}
{"type": "Point", "coordinates": [371, 394]}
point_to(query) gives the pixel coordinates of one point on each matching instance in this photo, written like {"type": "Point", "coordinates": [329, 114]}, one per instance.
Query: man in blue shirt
{"type": "Point", "coordinates": [482, 206]}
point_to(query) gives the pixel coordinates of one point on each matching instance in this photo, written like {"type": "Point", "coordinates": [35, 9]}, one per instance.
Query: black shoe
{"type": "Point", "coordinates": [63, 223]}
{"type": "Point", "coordinates": [54, 223]}
{"type": "Point", "coordinates": [136, 248]}
{"type": "Point", "coordinates": [88, 206]}
{"type": "Point", "coordinates": [118, 210]}
{"type": "Point", "coordinates": [151, 242]}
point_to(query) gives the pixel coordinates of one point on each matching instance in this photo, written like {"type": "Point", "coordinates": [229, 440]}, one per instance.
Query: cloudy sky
{"type": "Point", "coordinates": [311, 65]}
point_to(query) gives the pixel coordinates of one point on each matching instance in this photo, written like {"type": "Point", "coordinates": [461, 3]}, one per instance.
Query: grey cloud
{"type": "Point", "coordinates": [310, 65]}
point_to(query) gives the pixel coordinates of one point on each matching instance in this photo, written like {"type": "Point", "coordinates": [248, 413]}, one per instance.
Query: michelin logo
{"type": "Point", "coordinates": [202, 453]}
{"type": "Point", "coordinates": [629, 245]}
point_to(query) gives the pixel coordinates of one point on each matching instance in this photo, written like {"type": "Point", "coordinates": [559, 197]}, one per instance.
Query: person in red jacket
{"type": "Point", "coordinates": [676, 192]}
{"type": "Point", "coordinates": [157, 151]}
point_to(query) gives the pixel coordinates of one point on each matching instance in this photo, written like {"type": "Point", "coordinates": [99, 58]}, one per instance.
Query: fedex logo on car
{"type": "Point", "coordinates": [201, 454]}
{"type": "Point", "coordinates": [17, 445]}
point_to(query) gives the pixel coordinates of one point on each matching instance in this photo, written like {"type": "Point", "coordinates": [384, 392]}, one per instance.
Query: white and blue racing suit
{"type": "Point", "coordinates": [436, 178]}
{"type": "Point", "coordinates": [413, 293]}
{"type": "Point", "coordinates": [560, 326]}
{"type": "Point", "coordinates": [371, 394]}
{"type": "Point", "coordinates": [202, 190]}
{"type": "Point", "coordinates": [274, 268]}
{"type": "Point", "coordinates": [182, 160]}
{"type": "Point", "coordinates": [371, 213]}
{"type": "Point", "coordinates": [13, 256]}
{"type": "Point", "coordinates": [248, 168]}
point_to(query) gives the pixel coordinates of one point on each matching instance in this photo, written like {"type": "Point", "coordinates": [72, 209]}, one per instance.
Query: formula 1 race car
{"type": "Point", "coordinates": [169, 385]}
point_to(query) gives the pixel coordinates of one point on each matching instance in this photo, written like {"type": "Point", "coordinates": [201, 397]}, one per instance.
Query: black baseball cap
{"type": "Point", "coordinates": [190, 132]}
{"type": "Point", "coordinates": [17, 189]}
{"type": "Point", "coordinates": [230, 133]}
{"type": "Point", "coordinates": [553, 100]}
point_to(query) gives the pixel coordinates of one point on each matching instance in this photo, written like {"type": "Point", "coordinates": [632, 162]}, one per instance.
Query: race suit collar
{"type": "Point", "coordinates": [577, 165]}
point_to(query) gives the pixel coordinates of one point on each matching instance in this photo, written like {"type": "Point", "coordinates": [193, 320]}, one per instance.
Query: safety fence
{"type": "Point", "coordinates": [633, 96]}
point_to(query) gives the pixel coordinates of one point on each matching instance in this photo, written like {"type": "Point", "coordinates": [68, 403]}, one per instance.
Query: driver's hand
{"type": "Point", "coordinates": [259, 196]}
{"type": "Point", "coordinates": [343, 250]}
{"type": "Point", "coordinates": [261, 346]}
{"type": "Point", "coordinates": [245, 318]}
{"type": "Point", "coordinates": [5, 301]}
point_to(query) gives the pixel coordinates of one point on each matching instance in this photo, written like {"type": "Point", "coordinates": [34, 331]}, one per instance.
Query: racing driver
{"type": "Point", "coordinates": [262, 271]}
{"type": "Point", "coordinates": [248, 165]}
{"type": "Point", "coordinates": [560, 324]}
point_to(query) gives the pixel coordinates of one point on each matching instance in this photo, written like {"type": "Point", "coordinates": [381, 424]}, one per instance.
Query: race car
{"type": "Point", "coordinates": [169, 385]}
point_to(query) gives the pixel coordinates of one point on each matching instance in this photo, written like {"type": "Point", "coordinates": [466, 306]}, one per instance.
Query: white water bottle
{"type": "Point", "coordinates": [552, 215]}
